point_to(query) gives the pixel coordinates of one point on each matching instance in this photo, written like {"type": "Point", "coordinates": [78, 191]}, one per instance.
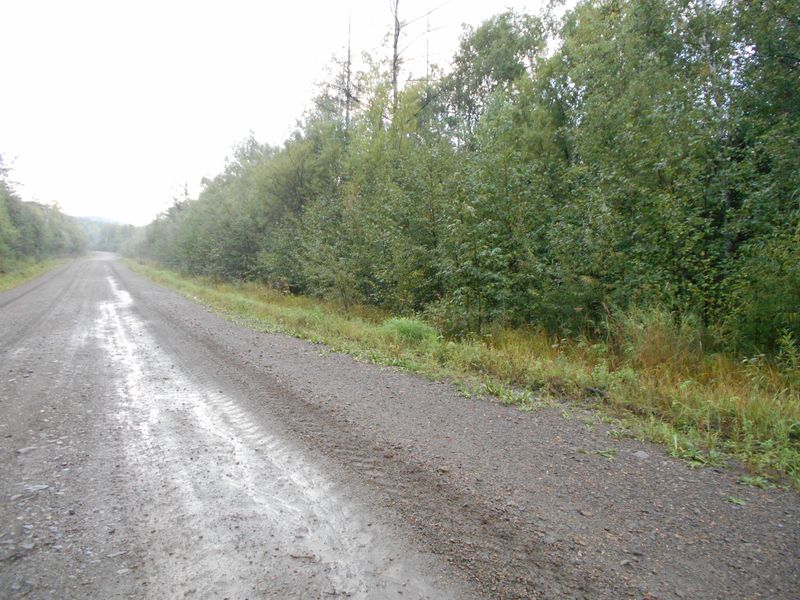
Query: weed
{"type": "Point", "coordinates": [736, 501]}
{"type": "Point", "coordinates": [756, 481]}
{"type": "Point", "coordinates": [464, 390]}
{"type": "Point", "coordinates": [650, 338]}
{"type": "Point", "coordinates": [410, 331]}
{"type": "Point", "coordinates": [609, 453]}
{"type": "Point", "coordinates": [524, 399]}
{"type": "Point", "coordinates": [694, 456]}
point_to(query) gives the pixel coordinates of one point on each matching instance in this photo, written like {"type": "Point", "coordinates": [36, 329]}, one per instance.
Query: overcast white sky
{"type": "Point", "coordinates": [108, 107]}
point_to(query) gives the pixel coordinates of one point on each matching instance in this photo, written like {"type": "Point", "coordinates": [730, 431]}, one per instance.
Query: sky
{"type": "Point", "coordinates": [109, 108]}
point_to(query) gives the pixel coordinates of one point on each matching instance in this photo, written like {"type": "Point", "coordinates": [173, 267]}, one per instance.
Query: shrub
{"type": "Point", "coordinates": [652, 337]}
{"type": "Point", "coordinates": [409, 331]}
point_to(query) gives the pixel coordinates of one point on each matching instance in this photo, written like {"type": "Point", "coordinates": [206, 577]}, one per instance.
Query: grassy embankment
{"type": "Point", "coordinates": [26, 271]}
{"type": "Point", "coordinates": [651, 379]}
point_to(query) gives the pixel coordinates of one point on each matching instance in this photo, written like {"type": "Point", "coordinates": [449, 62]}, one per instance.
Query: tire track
{"type": "Point", "coordinates": [19, 293]}
{"type": "Point", "coordinates": [66, 280]}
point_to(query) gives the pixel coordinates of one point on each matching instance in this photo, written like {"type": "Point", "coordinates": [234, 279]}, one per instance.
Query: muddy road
{"type": "Point", "coordinates": [151, 449]}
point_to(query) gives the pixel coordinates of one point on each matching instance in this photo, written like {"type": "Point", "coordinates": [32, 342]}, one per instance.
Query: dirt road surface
{"type": "Point", "coordinates": [151, 449]}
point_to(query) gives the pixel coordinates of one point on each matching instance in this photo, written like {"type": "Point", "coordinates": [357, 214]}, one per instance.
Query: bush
{"type": "Point", "coordinates": [651, 337]}
{"type": "Point", "coordinates": [410, 331]}
{"type": "Point", "coordinates": [764, 306]}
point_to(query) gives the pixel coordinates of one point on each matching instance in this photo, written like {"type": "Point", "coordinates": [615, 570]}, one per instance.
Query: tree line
{"type": "Point", "coordinates": [33, 231]}
{"type": "Point", "coordinates": [626, 155]}
{"type": "Point", "coordinates": [104, 235]}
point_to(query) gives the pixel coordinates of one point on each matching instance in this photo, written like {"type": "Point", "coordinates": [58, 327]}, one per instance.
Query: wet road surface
{"type": "Point", "coordinates": [152, 450]}
{"type": "Point", "coordinates": [140, 479]}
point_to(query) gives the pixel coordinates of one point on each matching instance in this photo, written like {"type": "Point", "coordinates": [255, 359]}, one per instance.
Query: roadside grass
{"type": "Point", "coordinates": [24, 272]}
{"type": "Point", "coordinates": [651, 380]}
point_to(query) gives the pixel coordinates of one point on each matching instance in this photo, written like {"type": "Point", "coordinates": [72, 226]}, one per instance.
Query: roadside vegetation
{"type": "Point", "coordinates": [601, 205]}
{"type": "Point", "coordinates": [23, 272]}
{"type": "Point", "coordinates": [705, 407]}
{"type": "Point", "coordinates": [32, 235]}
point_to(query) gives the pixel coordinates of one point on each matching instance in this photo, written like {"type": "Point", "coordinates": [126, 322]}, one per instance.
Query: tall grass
{"type": "Point", "coordinates": [23, 272]}
{"type": "Point", "coordinates": [650, 370]}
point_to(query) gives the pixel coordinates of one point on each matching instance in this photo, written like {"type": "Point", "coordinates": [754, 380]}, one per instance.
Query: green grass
{"type": "Point", "coordinates": [756, 481]}
{"type": "Point", "coordinates": [410, 331]}
{"type": "Point", "coordinates": [609, 453]}
{"type": "Point", "coordinates": [24, 272]}
{"type": "Point", "coordinates": [736, 501]}
{"type": "Point", "coordinates": [650, 380]}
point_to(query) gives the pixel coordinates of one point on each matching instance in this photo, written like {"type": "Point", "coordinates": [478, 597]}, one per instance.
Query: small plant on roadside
{"type": "Point", "coordinates": [756, 481]}
{"type": "Point", "coordinates": [589, 421]}
{"type": "Point", "coordinates": [524, 399]}
{"type": "Point", "coordinates": [410, 331]}
{"type": "Point", "coordinates": [685, 450]}
{"type": "Point", "coordinates": [609, 453]}
{"type": "Point", "coordinates": [789, 357]}
{"type": "Point", "coordinates": [462, 389]}
{"type": "Point", "coordinates": [620, 432]}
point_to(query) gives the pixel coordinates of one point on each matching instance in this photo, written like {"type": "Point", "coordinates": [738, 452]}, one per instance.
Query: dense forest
{"type": "Point", "coordinates": [627, 155]}
{"type": "Point", "coordinates": [33, 231]}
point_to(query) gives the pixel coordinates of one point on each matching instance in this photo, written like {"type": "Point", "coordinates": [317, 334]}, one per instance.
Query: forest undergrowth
{"type": "Point", "coordinates": [649, 377]}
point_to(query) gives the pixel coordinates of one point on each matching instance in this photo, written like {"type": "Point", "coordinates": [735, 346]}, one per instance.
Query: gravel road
{"type": "Point", "coordinates": [151, 449]}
